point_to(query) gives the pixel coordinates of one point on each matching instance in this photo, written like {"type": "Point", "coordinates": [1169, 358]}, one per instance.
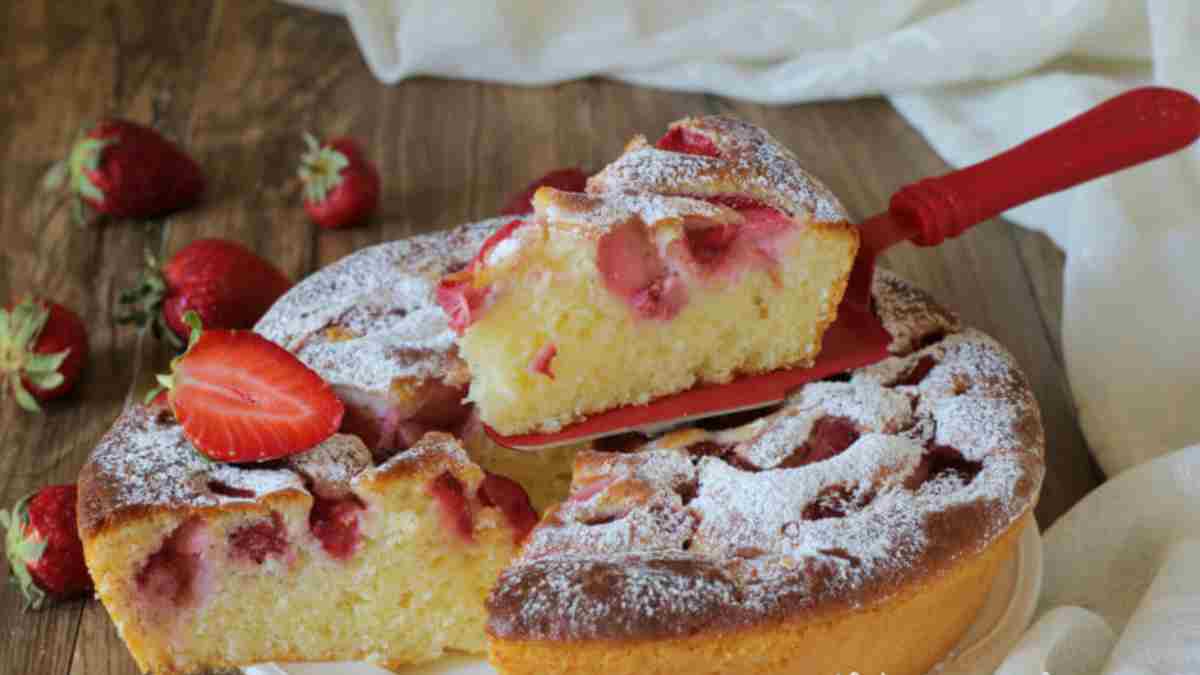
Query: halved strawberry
{"type": "Point", "coordinates": [241, 398]}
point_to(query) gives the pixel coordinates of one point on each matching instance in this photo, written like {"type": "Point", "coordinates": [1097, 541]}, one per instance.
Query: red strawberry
{"type": "Point", "coordinates": [242, 398]}
{"type": "Point", "coordinates": [222, 281]}
{"type": "Point", "coordinates": [457, 294]}
{"type": "Point", "coordinates": [341, 188]}
{"type": "Point", "coordinates": [570, 180]}
{"type": "Point", "coordinates": [123, 169]}
{"type": "Point", "coordinates": [43, 347]}
{"type": "Point", "coordinates": [43, 546]}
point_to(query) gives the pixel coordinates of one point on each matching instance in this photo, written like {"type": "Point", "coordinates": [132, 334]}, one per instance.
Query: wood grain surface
{"type": "Point", "coordinates": [238, 81]}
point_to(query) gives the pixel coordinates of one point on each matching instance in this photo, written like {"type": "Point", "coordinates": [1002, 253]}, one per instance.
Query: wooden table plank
{"type": "Point", "coordinates": [66, 64]}
{"type": "Point", "coordinates": [244, 78]}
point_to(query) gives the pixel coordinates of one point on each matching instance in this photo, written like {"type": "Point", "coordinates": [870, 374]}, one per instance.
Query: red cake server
{"type": "Point", "coordinates": [1135, 127]}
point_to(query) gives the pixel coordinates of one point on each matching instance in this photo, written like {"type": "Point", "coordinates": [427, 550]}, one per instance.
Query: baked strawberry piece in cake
{"type": "Point", "coordinates": [690, 263]}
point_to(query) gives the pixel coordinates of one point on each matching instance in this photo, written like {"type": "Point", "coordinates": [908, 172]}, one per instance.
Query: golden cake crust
{"type": "Point", "coordinates": [670, 543]}
{"type": "Point", "coordinates": [750, 162]}
{"type": "Point", "coordinates": [921, 623]}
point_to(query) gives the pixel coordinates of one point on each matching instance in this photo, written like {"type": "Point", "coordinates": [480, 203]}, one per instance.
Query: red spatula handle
{"type": "Point", "coordinates": [1135, 127]}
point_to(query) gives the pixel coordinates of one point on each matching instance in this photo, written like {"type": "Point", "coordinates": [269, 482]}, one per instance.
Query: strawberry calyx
{"type": "Point", "coordinates": [145, 303]}
{"type": "Point", "coordinates": [75, 174]}
{"type": "Point", "coordinates": [320, 169]}
{"type": "Point", "coordinates": [20, 329]}
{"type": "Point", "coordinates": [166, 381]}
{"type": "Point", "coordinates": [23, 549]}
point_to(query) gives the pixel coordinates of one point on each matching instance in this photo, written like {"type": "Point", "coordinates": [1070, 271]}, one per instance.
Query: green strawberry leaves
{"type": "Point", "coordinates": [22, 551]}
{"type": "Point", "coordinates": [167, 381]}
{"type": "Point", "coordinates": [20, 328]}
{"type": "Point", "coordinates": [320, 169]}
{"type": "Point", "coordinates": [144, 303]}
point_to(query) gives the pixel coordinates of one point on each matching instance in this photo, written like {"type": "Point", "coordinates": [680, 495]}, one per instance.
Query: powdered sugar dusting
{"type": "Point", "coordinates": [777, 440]}
{"type": "Point", "coordinates": [871, 408]}
{"type": "Point", "coordinates": [371, 317]}
{"type": "Point", "coordinates": [604, 523]}
{"type": "Point", "coordinates": [598, 213]}
{"type": "Point", "coordinates": [763, 512]}
{"type": "Point", "coordinates": [751, 162]}
{"type": "Point", "coordinates": [145, 461]}
{"type": "Point", "coordinates": [419, 345]}
{"type": "Point", "coordinates": [908, 313]}
{"type": "Point", "coordinates": [330, 466]}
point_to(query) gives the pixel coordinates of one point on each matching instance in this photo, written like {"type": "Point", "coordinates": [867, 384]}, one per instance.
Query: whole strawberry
{"type": "Point", "coordinates": [43, 347]}
{"type": "Point", "coordinates": [126, 170]}
{"type": "Point", "coordinates": [225, 283]}
{"type": "Point", "coordinates": [43, 547]}
{"type": "Point", "coordinates": [341, 188]}
{"type": "Point", "coordinates": [569, 180]}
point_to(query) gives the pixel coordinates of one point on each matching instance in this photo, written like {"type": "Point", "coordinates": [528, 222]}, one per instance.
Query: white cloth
{"type": "Point", "coordinates": [974, 78]}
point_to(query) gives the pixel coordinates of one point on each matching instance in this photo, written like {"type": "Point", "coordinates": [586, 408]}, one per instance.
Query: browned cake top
{"type": "Point", "coordinates": [854, 489]}
{"type": "Point", "coordinates": [144, 463]}
{"type": "Point", "coordinates": [371, 318]}
{"type": "Point", "coordinates": [749, 161]}
{"type": "Point", "coordinates": [591, 215]}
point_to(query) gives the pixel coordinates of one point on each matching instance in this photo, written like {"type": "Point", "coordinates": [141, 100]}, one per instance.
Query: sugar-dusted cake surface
{"type": "Point", "coordinates": [368, 325]}
{"type": "Point", "coordinates": [674, 269]}
{"type": "Point", "coordinates": [769, 546]}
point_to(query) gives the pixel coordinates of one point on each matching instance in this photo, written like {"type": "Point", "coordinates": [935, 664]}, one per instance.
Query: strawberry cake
{"type": "Point", "coordinates": [379, 544]}
{"type": "Point", "coordinates": [857, 528]}
{"type": "Point", "coordinates": [880, 502]}
{"type": "Point", "coordinates": [711, 255]}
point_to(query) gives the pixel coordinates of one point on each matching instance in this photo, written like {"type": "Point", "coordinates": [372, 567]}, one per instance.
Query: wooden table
{"type": "Point", "coordinates": [238, 81]}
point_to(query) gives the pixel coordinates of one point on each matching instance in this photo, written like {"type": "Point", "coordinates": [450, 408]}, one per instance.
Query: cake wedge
{"type": "Point", "coordinates": [708, 258]}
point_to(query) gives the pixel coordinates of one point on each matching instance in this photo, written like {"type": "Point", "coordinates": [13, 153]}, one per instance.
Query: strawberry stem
{"type": "Point", "coordinates": [22, 551]}
{"type": "Point", "coordinates": [20, 329]}
{"type": "Point", "coordinates": [167, 380]}
{"type": "Point", "coordinates": [145, 301]}
{"type": "Point", "coordinates": [320, 169]}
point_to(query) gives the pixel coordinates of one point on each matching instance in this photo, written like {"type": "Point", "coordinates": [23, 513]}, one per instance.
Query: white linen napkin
{"type": "Point", "coordinates": [974, 77]}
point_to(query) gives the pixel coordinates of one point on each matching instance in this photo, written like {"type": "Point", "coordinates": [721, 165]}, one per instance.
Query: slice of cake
{"type": "Point", "coordinates": [322, 556]}
{"type": "Point", "coordinates": [631, 292]}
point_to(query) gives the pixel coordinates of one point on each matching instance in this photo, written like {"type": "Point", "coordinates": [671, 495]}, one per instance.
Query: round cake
{"type": "Point", "coordinates": [857, 527]}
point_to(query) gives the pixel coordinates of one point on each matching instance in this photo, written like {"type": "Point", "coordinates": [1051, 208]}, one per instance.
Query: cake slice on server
{"type": "Point", "coordinates": [710, 256]}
